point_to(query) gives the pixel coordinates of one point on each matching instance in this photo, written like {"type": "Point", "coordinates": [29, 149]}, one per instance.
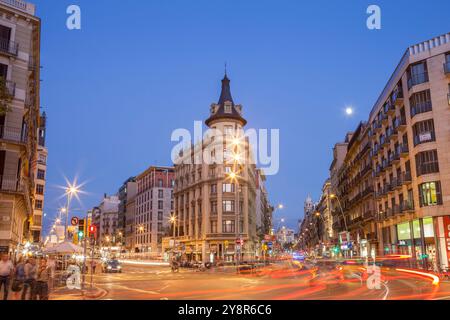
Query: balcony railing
{"type": "Point", "coordinates": [397, 97]}
{"type": "Point", "coordinates": [376, 126]}
{"type": "Point", "coordinates": [427, 168]}
{"type": "Point", "coordinates": [10, 183]}
{"type": "Point", "coordinates": [399, 123]}
{"type": "Point", "coordinates": [422, 107]}
{"type": "Point", "coordinates": [9, 47]}
{"type": "Point", "coordinates": [389, 108]}
{"type": "Point", "coordinates": [406, 177]}
{"type": "Point", "coordinates": [13, 134]}
{"type": "Point", "coordinates": [403, 149]}
{"type": "Point", "coordinates": [406, 206]}
{"type": "Point", "coordinates": [424, 137]}
{"type": "Point", "coordinates": [417, 79]}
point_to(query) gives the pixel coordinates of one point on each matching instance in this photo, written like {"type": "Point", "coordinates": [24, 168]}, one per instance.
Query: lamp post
{"type": "Point", "coordinates": [333, 196]}
{"type": "Point", "coordinates": [173, 221]}
{"type": "Point", "coordinates": [71, 190]}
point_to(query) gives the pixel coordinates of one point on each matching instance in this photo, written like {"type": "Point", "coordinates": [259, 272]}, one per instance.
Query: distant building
{"type": "Point", "coordinates": [107, 217]}
{"type": "Point", "coordinates": [126, 192]}
{"type": "Point", "coordinates": [285, 236]}
{"type": "Point", "coordinates": [153, 208]}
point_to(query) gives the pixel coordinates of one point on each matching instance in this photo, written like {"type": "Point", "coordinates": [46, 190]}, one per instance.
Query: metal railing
{"type": "Point", "coordinates": [421, 107]}
{"type": "Point", "coordinates": [13, 134]}
{"type": "Point", "coordinates": [9, 47]}
{"type": "Point", "coordinates": [417, 79]}
{"type": "Point", "coordinates": [11, 183]}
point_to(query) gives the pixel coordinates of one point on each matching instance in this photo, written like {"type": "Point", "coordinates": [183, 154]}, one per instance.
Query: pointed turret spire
{"type": "Point", "coordinates": [225, 95]}
{"type": "Point", "coordinates": [219, 111]}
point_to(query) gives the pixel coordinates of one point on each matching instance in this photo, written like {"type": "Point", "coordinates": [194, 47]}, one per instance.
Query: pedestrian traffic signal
{"type": "Point", "coordinates": [92, 230]}
{"type": "Point", "coordinates": [80, 235]}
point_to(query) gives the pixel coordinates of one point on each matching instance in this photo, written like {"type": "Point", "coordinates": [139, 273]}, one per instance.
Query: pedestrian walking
{"type": "Point", "coordinates": [30, 278]}
{"type": "Point", "coordinates": [6, 272]}
{"type": "Point", "coordinates": [19, 279]}
{"type": "Point", "coordinates": [94, 265]}
{"type": "Point", "coordinates": [43, 275]}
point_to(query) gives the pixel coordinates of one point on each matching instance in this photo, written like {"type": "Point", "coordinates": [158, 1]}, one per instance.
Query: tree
{"type": "Point", "coordinates": [5, 97]}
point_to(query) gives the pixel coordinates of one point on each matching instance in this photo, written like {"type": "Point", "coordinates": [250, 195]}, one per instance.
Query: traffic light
{"type": "Point", "coordinates": [92, 230]}
{"type": "Point", "coordinates": [80, 235]}
{"type": "Point", "coordinates": [81, 225]}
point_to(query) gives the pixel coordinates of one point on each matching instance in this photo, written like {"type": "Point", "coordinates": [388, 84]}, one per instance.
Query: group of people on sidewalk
{"type": "Point", "coordinates": [28, 279]}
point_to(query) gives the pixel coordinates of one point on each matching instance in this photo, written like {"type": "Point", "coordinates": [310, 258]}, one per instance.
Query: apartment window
{"type": "Point", "coordinates": [160, 227]}
{"type": "Point", "coordinates": [229, 131]}
{"type": "Point", "coordinates": [420, 102]}
{"type": "Point", "coordinates": [160, 205]}
{"type": "Point", "coordinates": [42, 159]}
{"type": "Point", "coordinates": [213, 188]}
{"type": "Point", "coordinates": [427, 162]}
{"type": "Point", "coordinates": [213, 207]}
{"type": "Point", "coordinates": [424, 132]}
{"type": "Point", "coordinates": [430, 194]}
{"type": "Point", "coordinates": [160, 183]}
{"type": "Point", "coordinates": [417, 74]}
{"type": "Point", "coordinates": [228, 187]}
{"type": "Point", "coordinates": [38, 204]}
{"type": "Point", "coordinates": [160, 215]}
{"type": "Point", "coordinates": [41, 174]}
{"type": "Point", "coordinates": [213, 226]}
{"type": "Point", "coordinates": [5, 35]}
{"type": "Point", "coordinates": [160, 194]}
{"type": "Point", "coordinates": [39, 189]}
{"type": "Point", "coordinates": [228, 226]}
{"type": "Point", "coordinates": [228, 205]}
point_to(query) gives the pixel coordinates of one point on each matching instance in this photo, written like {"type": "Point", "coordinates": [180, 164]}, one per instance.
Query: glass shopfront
{"type": "Point", "coordinates": [416, 238]}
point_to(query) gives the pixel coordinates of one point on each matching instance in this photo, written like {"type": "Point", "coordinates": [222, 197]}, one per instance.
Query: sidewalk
{"type": "Point", "coordinates": [77, 294]}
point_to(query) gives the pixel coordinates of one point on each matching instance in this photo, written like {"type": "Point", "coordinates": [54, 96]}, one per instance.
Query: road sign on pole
{"type": "Point", "coordinates": [74, 221]}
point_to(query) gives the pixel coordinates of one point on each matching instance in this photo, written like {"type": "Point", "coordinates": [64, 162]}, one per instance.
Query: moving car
{"type": "Point", "coordinates": [111, 266]}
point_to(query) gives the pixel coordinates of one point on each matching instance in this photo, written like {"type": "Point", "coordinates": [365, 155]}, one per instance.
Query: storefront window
{"type": "Point", "coordinates": [403, 231]}
{"type": "Point", "coordinates": [428, 227]}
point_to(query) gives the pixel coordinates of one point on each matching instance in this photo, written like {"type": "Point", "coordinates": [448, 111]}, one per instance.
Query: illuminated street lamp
{"type": "Point", "coordinates": [71, 191]}
{"type": "Point", "coordinates": [333, 196]}
{"type": "Point", "coordinates": [173, 221]}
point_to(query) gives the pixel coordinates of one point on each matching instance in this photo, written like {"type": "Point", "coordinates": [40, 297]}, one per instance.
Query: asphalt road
{"type": "Point", "coordinates": [282, 281]}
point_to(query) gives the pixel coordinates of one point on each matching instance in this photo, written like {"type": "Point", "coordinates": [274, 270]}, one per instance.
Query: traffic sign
{"type": "Point", "coordinates": [240, 242]}
{"type": "Point", "coordinates": [74, 221]}
{"type": "Point", "coordinates": [270, 244]}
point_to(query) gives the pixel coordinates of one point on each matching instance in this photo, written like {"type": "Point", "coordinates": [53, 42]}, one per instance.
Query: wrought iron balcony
{"type": "Point", "coordinates": [400, 123]}
{"type": "Point", "coordinates": [397, 97]}
{"type": "Point", "coordinates": [13, 134]}
{"type": "Point", "coordinates": [9, 47]}
{"type": "Point", "coordinates": [11, 183]}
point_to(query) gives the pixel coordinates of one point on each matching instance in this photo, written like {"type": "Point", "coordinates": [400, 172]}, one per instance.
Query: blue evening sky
{"type": "Point", "coordinates": [116, 89]}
